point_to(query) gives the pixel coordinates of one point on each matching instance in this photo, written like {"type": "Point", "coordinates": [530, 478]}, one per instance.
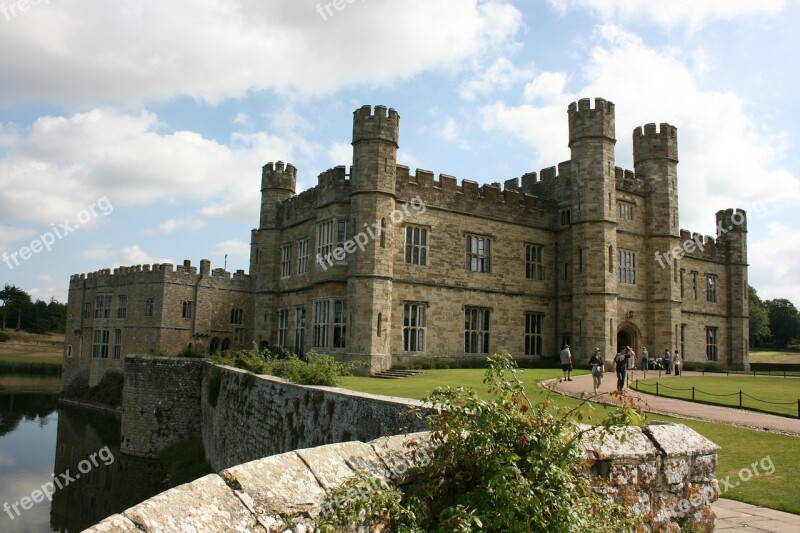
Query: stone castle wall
{"type": "Point", "coordinates": [161, 403]}
{"type": "Point", "coordinates": [664, 472]}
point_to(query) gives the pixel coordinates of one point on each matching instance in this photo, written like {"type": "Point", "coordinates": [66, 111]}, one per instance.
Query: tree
{"type": "Point", "coordinates": [784, 321]}
{"type": "Point", "coordinates": [759, 320]}
{"type": "Point", "coordinates": [14, 302]}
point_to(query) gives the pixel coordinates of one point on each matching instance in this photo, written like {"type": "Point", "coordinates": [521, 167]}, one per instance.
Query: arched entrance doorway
{"type": "Point", "coordinates": [628, 335]}
{"type": "Point", "coordinates": [213, 347]}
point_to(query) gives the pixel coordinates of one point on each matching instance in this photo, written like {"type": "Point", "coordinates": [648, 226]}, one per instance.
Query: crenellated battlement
{"type": "Point", "coordinates": [628, 181]}
{"type": "Point", "coordinates": [731, 221]}
{"type": "Point", "coordinates": [650, 143]}
{"type": "Point", "coordinates": [279, 176]}
{"type": "Point", "coordinates": [380, 125]}
{"type": "Point", "coordinates": [587, 122]}
{"type": "Point", "coordinates": [158, 271]}
{"type": "Point", "coordinates": [700, 246]}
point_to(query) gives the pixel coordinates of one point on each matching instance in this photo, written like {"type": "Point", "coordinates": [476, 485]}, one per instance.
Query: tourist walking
{"type": "Point", "coordinates": [598, 367]}
{"type": "Point", "coordinates": [645, 360]}
{"type": "Point", "coordinates": [676, 362]}
{"type": "Point", "coordinates": [621, 365]}
{"type": "Point", "coordinates": [566, 362]}
{"type": "Point", "coordinates": [667, 361]}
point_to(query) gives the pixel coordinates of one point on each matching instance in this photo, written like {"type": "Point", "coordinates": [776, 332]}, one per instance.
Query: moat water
{"type": "Point", "coordinates": [40, 440]}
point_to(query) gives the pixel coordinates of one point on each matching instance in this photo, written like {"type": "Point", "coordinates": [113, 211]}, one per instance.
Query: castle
{"type": "Point", "coordinates": [386, 267]}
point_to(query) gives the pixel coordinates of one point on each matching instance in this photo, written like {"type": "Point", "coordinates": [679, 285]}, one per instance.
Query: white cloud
{"type": "Point", "coordinates": [134, 255]}
{"type": "Point", "coordinates": [187, 223]}
{"type": "Point", "coordinates": [547, 87]}
{"type": "Point", "coordinates": [691, 13]}
{"type": "Point", "coordinates": [774, 263]}
{"type": "Point", "coordinates": [10, 235]}
{"type": "Point", "coordinates": [98, 252]}
{"type": "Point", "coordinates": [660, 87]}
{"type": "Point", "coordinates": [340, 153]}
{"type": "Point", "coordinates": [502, 74]}
{"type": "Point", "coordinates": [135, 51]}
{"type": "Point", "coordinates": [450, 131]}
{"type": "Point", "coordinates": [63, 164]}
{"type": "Point", "coordinates": [233, 247]}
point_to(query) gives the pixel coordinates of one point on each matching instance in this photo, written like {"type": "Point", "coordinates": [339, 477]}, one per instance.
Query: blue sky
{"type": "Point", "coordinates": [134, 131]}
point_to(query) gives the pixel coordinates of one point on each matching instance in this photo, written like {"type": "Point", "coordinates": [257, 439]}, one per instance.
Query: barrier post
{"type": "Point", "coordinates": [692, 392]}
{"type": "Point", "coordinates": [740, 397]}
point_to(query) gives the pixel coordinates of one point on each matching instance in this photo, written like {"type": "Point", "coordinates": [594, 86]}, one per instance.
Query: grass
{"type": "Point", "coordinates": [777, 390]}
{"type": "Point", "coordinates": [740, 448]}
{"type": "Point", "coordinates": [771, 356]}
{"type": "Point", "coordinates": [12, 363]}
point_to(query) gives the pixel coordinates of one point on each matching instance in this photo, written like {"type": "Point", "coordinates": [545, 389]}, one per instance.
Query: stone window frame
{"type": "Point", "coordinates": [534, 262]}
{"type": "Point", "coordinates": [626, 266]}
{"type": "Point", "coordinates": [117, 353]}
{"type": "Point", "coordinates": [712, 340]}
{"type": "Point", "coordinates": [319, 335]}
{"type": "Point", "coordinates": [478, 253]}
{"type": "Point", "coordinates": [694, 284]}
{"type": "Point", "coordinates": [299, 328]}
{"type": "Point", "coordinates": [625, 210]}
{"type": "Point", "coordinates": [417, 239]}
{"type": "Point", "coordinates": [286, 260]}
{"type": "Point", "coordinates": [100, 340]}
{"type": "Point", "coordinates": [712, 283]}
{"type": "Point", "coordinates": [283, 326]}
{"type": "Point", "coordinates": [414, 326]}
{"type": "Point", "coordinates": [122, 306]}
{"type": "Point", "coordinates": [325, 239]}
{"type": "Point", "coordinates": [534, 332]}
{"type": "Point", "coordinates": [477, 329]}
{"type": "Point", "coordinates": [238, 336]}
{"type": "Point", "coordinates": [87, 310]}
{"type": "Point", "coordinates": [186, 309]}
{"type": "Point", "coordinates": [565, 217]}
{"type": "Point", "coordinates": [102, 308]}
{"type": "Point", "coordinates": [339, 318]}
{"type": "Point", "coordinates": [149, 306]}
{"type": "Point", "coordinates": [237, 316]}
{"type": "Point", "coordinates": [302, 256]}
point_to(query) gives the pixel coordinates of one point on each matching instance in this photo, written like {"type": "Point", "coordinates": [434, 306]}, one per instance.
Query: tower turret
{"type": "Point", "coordinates": [732, 231]}
{"type": "Point", "coordinates": [593, 232]}
{"type": "Point", "coordinates": [372, 201]}
{"type": "Point", "coordinates": [278, 182]}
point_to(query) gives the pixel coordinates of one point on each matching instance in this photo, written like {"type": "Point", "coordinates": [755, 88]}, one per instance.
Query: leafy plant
{"type": "Point", "coordinates": [318, 369]}
{"type": "Point", "coordinates": [504, 464]}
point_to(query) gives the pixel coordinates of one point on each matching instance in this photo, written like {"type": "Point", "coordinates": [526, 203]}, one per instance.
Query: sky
{"type": "Point", "coordinates": [134, 131]}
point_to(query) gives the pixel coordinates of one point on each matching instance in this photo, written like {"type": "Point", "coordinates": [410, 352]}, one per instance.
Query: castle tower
{"type": "Point", "coordinates": [372, 201]}
{"type": "Point", "coordinates": [594, 227]}
{"type": "Point", "coordinates": [277, 185]}
{"type": "Point", "coordinates": [655, 160]}
{"type": "Point", "coordinates": [732, 231]}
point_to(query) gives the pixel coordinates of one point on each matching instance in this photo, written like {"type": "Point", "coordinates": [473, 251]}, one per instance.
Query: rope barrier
{"type": "Point", "coordinates": [694, 390]}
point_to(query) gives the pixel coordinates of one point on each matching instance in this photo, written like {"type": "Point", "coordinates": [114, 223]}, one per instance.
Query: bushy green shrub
{"type": "Point", "coordinates": [504, 464]}
{"type": "Point", "coordinates": [317, 369]}
{"type": "Point", "coordinates": [191, 352]}
{"type": "Point", "coordinates": [4, 337]}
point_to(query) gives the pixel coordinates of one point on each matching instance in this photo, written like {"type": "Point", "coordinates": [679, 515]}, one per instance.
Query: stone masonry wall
{"type": "Point", "coordinates": [259, 416]}
{"type": "Point", "coordinates": [160, 403]}
{"type": "Point", "coordinates": [664, 471]}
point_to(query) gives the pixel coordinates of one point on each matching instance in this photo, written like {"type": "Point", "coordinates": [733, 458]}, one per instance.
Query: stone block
{"type": "Point", "coordinates": [335, 463]}
{"type": "Point", "coordinates": [206, 504]}
{"type": "Point", "coordinates": [114, 524]}
{"type": "Point", "coordinates": [677, 439]}
{"type": "Point", "coordinates": [402, 454]}
{"type": "Point", "coordinates": [281, 485]}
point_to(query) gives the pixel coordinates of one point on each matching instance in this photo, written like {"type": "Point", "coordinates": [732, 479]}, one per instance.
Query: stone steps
{"type": "Point", "coordinates": [397, 374]}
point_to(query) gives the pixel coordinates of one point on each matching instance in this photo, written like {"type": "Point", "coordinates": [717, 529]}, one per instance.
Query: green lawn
{"type": "Point", "coordinates": [47, 359]}
{"type": "Point", "coordinates": [777, 390]}
{"type": "Point", "coordinates": [740, 447]}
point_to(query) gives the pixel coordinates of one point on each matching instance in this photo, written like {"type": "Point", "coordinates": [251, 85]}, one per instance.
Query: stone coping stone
{"type": "Point", "coordinates": [206, 504]}
{"type": "Point", "coordinates": [334, 463]}
{"type": "Point", "coordinates": [677, 439]}
{"type": "Point", "coordinates": [114, 524]}
{"type": "Point", "coordinates": [618, 443]}
{"type": "Point", "coordinates": [278, 485]}
{"type": "Point", "coordinates": [403, 453]}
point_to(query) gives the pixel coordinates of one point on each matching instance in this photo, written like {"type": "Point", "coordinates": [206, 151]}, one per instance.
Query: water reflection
{"type": "Point", "coordinates": [38, 439]}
